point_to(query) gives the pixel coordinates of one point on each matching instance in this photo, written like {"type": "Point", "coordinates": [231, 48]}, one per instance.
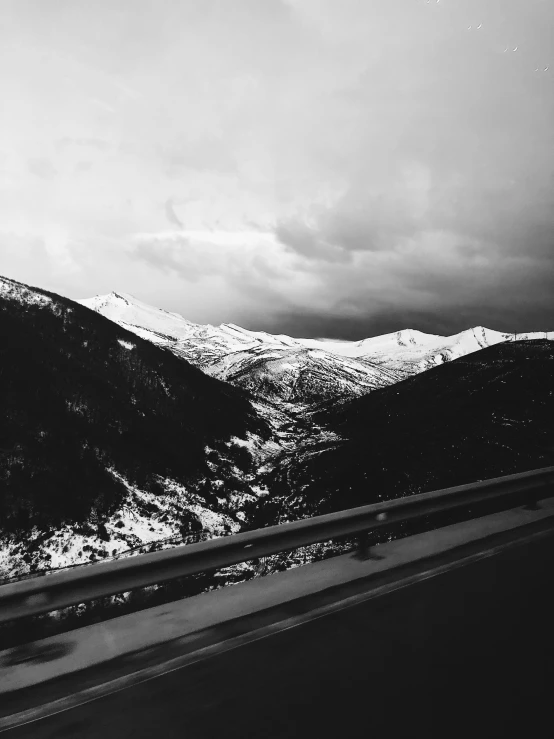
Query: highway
{"type": "Point", "coordinates": [465, 653]}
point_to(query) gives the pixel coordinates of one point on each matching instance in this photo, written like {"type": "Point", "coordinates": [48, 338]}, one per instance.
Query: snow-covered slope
{"type": "Point", "coordinates": [279, 367]}
{"type": "Point", "coordinates": [275, 367]}
{"type": "Point", "coordinates": [123, 308]}
{"type": "Point", "coordinates": [411, 346]}
{"type": "Point", "coordinates": [199, 343]}
{"type": "Point", "coordinates": [406, 339]}
{"type": "Point", "coordinates": [423, 351]}
{"type": "Point", "coordinates": [301, 374]}
{"type": "Point", "coordinates": [172, 327]}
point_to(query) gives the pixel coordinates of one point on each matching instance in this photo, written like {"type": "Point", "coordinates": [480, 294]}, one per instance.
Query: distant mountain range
{"type": "Point", "coordinates": [273, 367]}
{"type": "Point", "coordinates": [281, 368]}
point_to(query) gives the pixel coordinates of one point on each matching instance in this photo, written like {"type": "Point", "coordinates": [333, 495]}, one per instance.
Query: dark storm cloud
{"type": "Point", "coordinates": [506, 293]}
{"type": "Point", "coordinates": [307, 242]}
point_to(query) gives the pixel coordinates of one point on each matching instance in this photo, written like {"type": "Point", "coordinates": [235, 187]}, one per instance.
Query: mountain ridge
{"type": "Point", "coordinates": [282, 368]}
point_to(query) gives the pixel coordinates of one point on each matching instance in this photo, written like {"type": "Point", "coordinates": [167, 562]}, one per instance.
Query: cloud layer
{"type": "Point", "coordinates": [307, 166]}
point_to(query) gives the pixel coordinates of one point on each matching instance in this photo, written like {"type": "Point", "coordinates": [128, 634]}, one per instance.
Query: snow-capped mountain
{"type": "Point", "coordinates": [301, 375]}
{"type": "Point", "coordinates": [274, 367]}
{"type": "Point", "coordinates": [415, 351]}
{"type": "Point", "coordinates": [199, 343]}
{"type": "Point", "coordinates": [279, 367]}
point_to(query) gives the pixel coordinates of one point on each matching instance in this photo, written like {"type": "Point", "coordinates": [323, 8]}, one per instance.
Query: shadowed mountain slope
{"type": "Point", "coordinates": [484, 415]}
{"type": "Point", "coordinates": [87, 405]}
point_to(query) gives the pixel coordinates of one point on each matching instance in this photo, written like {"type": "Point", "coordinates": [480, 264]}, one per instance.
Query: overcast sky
{"type": "Point", "coordinates": [337, 168]}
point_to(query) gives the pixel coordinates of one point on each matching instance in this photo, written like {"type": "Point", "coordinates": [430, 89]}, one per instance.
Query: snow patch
{"type": "Point", "coordinates": [143, 520]}
{"type": "Point", "coordinates": [16, 291]}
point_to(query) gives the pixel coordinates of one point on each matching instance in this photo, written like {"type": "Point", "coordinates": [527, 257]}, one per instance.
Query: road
{"type": "Point", "coordinates": [466, 653]}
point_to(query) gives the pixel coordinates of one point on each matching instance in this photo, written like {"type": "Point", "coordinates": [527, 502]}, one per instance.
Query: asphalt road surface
{"type": "Point", "coordinates": [466, 653]}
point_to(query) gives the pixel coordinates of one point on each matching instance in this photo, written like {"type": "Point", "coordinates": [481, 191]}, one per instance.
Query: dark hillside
{"type": "Point", "coordinates": [80, 395]}
{"type": "Point", "coordinates": [484, 415]}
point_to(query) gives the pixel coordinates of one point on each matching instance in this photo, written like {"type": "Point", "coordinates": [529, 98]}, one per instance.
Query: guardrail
{"type": "Point", "coordinates": [40, 595]}
{"type": "Point", "coordinates": [175, 540]}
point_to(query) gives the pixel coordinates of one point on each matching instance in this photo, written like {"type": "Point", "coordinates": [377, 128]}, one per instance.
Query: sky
{"type": "Point", "coordinates": [329, 168]}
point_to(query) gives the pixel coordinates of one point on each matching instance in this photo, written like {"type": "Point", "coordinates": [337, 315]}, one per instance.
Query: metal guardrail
{"type": "Point", "coordinates": [175, 540]}
{"type": "Point", "coordinates": [40, 595]}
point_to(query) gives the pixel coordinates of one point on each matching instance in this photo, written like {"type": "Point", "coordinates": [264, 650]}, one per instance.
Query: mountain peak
{"type": "Point", "coordinates": [480, 330]}
{"type": "Point", "coordinates": [482, 334]}
{"type": "Point", "coordinates": [130, 312]}
{"type": "Point", "coordinates": [411, 336]}
{"type": "Point", "coordinates": [111, 298]}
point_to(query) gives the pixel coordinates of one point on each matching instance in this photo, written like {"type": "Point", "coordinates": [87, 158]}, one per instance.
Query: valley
{"type": "Point", "coordinates": [129, 429]}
